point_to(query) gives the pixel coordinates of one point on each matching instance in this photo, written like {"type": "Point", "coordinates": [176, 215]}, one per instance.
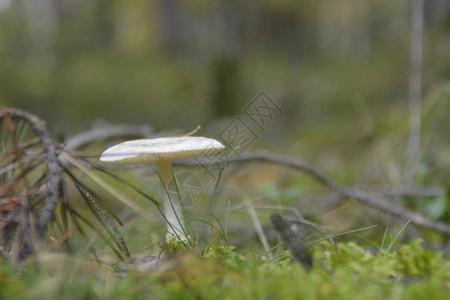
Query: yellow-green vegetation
{"type": "Point", "coordinates": [341, 271]}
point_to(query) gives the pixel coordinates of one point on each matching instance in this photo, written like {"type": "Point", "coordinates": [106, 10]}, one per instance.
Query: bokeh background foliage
{"type": "Point", "coordinates": [150, 60]}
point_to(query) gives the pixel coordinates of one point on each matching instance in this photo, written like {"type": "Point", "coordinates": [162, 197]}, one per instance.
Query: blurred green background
{"type": "Point", "coordinates": [338, 69]}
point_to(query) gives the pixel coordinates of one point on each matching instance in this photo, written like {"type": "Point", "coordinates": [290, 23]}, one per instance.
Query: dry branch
{"type": "Point", "coordinates": [414, 191]}
{"type": "Point", "coordinates": [53, 169]}
{"type": "Point", "coordinates": [373, 199]}
{"type": "Point", "coordinates": [24, 223]}
{"type": "Point", "coordinates": [105, 133]}
{"type": "Point", "coordinates": [39, 128]}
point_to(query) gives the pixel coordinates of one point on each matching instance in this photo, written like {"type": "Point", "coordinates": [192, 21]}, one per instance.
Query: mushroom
{"type": "Point", "coordinates": [163, 151]}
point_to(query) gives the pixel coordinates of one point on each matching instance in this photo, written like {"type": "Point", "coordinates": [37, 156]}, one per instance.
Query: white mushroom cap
{"type": "Point", "coordinates": [161, 149]}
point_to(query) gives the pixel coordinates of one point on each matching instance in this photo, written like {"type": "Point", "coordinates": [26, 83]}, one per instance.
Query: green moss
{"type": "Point", "coordinates": [341, 271]}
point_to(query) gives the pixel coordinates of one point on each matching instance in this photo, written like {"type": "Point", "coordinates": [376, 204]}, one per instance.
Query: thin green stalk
{"type": "Point", "coordinates": [222, 230]}
{"type": "Point", "coordinates": [384, 239]}
{"type": "Point", "coordinates": [341, 234]}
{"type": "Point", "coordinates": [213, 200]}
{"type": "Point", "coordinates": [210, 224]}
{"type": "Point", "coordinates": [396, 237]}
{"type": "Point", "coordinates": [173, 208]}
{"type": "Point", "coordinates": [226, 221]}
{"type": "Point", "coordinates": [182, 206]}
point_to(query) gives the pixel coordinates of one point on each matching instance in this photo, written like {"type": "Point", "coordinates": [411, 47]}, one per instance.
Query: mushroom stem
{"type": "Point", "coordinates": [172, 211]}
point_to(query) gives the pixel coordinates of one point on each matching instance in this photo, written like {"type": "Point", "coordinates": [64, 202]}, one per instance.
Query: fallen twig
{"type": "Point", "coordinates": [53, 168]}
{"type": "Point", "coordinates": [414, 191]}
{"type": "Point", "coordinates": [292, 240]}
{"type": "Point", "coordinates": [375, 200]}
{"type": "Point", "coordinates": [84, 139]}
{"type": "Point", "coordinates": [299, 217]}
{"type": "Point", "coordinates": [259, 228]}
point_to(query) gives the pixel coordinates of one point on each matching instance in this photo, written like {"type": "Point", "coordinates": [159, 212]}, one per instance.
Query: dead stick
{"type": "Point", "coordinates": [53, 168]}
{"type": "Point", "coordinates": [83, 139]}
{"type": "Point", "coordinates": [374, 200]}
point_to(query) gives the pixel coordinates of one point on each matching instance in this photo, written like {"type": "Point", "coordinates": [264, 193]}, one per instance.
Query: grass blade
{"type": "Point", "coordinates": [383, 241]}
{"type": "Point", "coordinates": [396, 237]}
{"type": "Point", "coordinates": [124, 199]}
{"type": "Point", "coordinates": [341, 234]}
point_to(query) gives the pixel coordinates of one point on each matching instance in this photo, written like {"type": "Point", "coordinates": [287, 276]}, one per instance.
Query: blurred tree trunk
{"type": "Point", "coordinates": [226, 61]}
{"type": "Point", "coordinates": [43, 28]}
{"type": "Point", "coordinates": [345, 27]}
{"type": "Point", "coordinates": [223, 55]}
{"type": "Point", "coordinates": [175, 33]}
{"type": "Point", "coordinates": [172, 25]}
{"type": "Point", "coordinates": [415, 90]}
{"type": "Point", "coordinates": [104, 24]}
{"type": "Point", "coordinates": [226, 85]}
